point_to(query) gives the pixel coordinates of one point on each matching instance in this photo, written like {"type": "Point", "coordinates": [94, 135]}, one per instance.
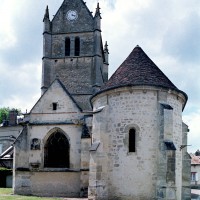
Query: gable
{"type": "Point", "coordinates": [84, 21]}
{"type": "Point", "coordinates": [55, 95]}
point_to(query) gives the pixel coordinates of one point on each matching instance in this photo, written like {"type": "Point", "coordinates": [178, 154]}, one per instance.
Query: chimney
{"type": "Point", "coordinates": [13, 118]}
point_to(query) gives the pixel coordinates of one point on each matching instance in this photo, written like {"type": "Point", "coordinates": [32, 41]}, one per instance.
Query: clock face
{"type": "Point", "coordinates": [72, 15]}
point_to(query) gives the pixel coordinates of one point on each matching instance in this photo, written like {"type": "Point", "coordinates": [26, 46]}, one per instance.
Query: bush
{"type": "Point", "coordinates": [2, 169]}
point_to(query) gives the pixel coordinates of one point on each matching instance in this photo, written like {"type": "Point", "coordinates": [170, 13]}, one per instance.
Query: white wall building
{"type": "Point", "coordinates": [195, 169]}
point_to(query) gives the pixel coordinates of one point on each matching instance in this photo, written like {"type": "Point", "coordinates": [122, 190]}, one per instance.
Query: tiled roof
{"type": "Point", "coordinates": [138, 69]}
{"type": "Point", "coordinates": [195, 160]}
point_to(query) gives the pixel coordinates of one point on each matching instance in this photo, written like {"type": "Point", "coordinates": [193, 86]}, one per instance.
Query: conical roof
{"type": "Point", "coordinates": [139, 69]}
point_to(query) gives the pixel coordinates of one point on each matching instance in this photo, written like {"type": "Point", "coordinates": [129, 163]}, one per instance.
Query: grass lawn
{"type": "Point", "coordinates": [6, 194]}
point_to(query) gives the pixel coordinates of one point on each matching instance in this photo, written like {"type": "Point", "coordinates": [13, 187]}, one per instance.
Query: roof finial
{"type": "Point", "coordinates": [106, 47]}
{"type": "Point", "coordinates": [46, 15]}
{"type": "Point", "coordinates": [98, 11]}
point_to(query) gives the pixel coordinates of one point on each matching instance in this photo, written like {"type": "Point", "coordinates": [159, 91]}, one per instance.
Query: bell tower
{"type": "Point", "coordinates": [73, 51]}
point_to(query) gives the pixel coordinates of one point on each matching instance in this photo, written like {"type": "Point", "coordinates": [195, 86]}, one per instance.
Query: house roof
{"type": "Point", "coordinates": [195, 160]}
{"type": "Point", "coordinates": [139, 69]}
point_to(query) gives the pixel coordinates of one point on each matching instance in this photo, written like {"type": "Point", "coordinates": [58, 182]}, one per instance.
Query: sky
{"type": "Point", "coordinates": [168, 31]}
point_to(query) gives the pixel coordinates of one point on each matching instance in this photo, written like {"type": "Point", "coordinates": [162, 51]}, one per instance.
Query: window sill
{"type": "Point", "coordinates": [131, 153]}
{"type": "Point", "coordinates": [46, 169]}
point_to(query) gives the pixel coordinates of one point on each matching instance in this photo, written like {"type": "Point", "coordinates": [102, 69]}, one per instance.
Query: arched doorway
{"type": "Point", "coordinates": [56, 151]}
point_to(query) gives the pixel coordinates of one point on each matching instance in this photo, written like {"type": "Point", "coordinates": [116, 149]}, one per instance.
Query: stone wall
{"type": "Point", "coordinates": [82, 75]}
{"type": "Point", "coordinates": [177, 103]}
{"type": "Point", "coordinates": [116, 173]}
{"type": "Point", "coordinates": [84, 23]}
{"type": "Point", "coordinates": [186, 173]}
{"type": "Point", "coordinates": [85, 157]}
{"type": "Point", "coordinates": [31, 176]}
{"type": "Point", "coordinates": [47, 183]}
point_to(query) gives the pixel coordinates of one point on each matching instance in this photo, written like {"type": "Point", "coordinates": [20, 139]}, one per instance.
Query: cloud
{"type": "Point", "coordinates": [193, 136]}
{"type": "Point", "coordinates": [168, 35]}
{"type": "Point", "coordinates": [181, 39]}
{"type": "Point", "coordinates": [168, 32]}
{"type": "Point", "coordinates": [6, 30]}
{"type": "Point", "coordinates": [27, 31]}
{"type": "Point", "coordinates": [23, 86]}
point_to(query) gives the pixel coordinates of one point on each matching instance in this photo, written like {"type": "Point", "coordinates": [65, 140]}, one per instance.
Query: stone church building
{"type": "Point", "coordinates": [116, 139]}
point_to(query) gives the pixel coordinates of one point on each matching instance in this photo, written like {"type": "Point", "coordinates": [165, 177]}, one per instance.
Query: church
{"type": "Point", "coordinates": [87, 136]}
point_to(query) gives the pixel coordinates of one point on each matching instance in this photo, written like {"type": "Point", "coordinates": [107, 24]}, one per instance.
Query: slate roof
{"type": "Point", "coordinates": [139, 69]}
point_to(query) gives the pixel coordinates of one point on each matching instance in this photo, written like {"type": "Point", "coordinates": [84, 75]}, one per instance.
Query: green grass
{"type": "Point", "coordinates": [5, 191]}
{"type": "Point", "coordinates": [7, 194]}
{"type": "Point", "coordinates": [18, 197]}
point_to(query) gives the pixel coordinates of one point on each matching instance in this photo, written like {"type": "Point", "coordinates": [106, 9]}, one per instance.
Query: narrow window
{"type": "Point", "coordinates": [132, 140]}
{"type": "Point", "coordinates": [194, 176]}
{"type": "Point", "coordinates": [55, 105]}
{"type": "Point", "coordinates": [56, 152]}
{"type": "Point", "coordinates": [67, 47]}
{"type": "Point", "coordinates": [77, 46]}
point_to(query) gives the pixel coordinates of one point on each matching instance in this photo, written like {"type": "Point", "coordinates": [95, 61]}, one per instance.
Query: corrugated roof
{"type": "Point", "coordinates": [139, 69]}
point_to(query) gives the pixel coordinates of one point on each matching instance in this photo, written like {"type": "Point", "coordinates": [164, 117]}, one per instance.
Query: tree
{"type": "Point", "coordinates": [4, 113]}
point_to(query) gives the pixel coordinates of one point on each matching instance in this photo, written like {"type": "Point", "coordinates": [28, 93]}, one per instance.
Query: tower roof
{"type": "Point", "coordinates": [97, 13]}
{"type": "Point", "coordinates": [46, 15]}
{"type": "Point", "coordinates": [139, 69]}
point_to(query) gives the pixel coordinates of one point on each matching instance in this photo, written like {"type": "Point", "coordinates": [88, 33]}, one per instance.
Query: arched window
{"type": "Point", "coordinates": [132, 140]}
{"type": "Point", "coordinates": [56, 152]}
{"type": "Point", "coordinates": [67, 46]}
{"type": "Point", "coordinates": [77, 46]}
